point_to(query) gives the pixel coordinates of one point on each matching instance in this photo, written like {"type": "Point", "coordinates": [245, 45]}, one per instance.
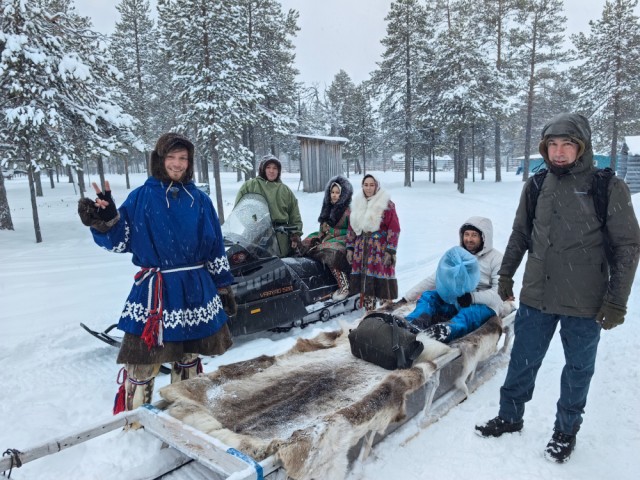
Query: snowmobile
{"type": "Point", "coordinates": [272, 293]}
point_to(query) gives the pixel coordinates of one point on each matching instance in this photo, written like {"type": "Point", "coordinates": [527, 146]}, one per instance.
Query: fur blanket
{"type": "Point", "coordinates": [310, 405]}
{"type": "Point", "coordinates": [307, 406]}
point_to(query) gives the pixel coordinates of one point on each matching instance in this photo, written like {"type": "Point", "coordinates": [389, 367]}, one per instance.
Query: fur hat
{"type": "Point", "coordinates": [331, 213]}
{"type": "Point", "coordinates": [266, 160]}
{"type": "Point", "coordinates": [165, 144]}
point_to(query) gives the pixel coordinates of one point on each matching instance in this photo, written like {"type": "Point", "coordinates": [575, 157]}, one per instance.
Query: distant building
{"type": "Point", "coordinates": [632, 176]}
{"type": "Point", "coordinates": [536, 162]}
{"type": "Point", "coordinates": [320, 160]}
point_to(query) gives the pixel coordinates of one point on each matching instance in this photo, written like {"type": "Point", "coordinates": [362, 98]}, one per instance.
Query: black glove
{"type": "Point", "coordinates": [109, 212]}
{"type": "Point", "coordinates": [505, 287]}
{"type": "Point", "coordinates": [228, 301]}
{"type": "Point", "coordinates": [389, 259]}
{"type": "Point", "coordinates": [464, 300]}
{"type": "Point", "coordinates": [611, 315]}
{"type": "Point", "coordinates": [90, 215]}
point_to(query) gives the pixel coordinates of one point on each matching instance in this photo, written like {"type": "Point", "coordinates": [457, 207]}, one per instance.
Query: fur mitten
{"type": "Point", "coordinates": [228, 301]}
{"type": "Point", "coordinates": [91, 216]}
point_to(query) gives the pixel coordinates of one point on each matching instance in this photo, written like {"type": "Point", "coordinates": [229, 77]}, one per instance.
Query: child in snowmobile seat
{"type": "Point", "coordinates": [181, 297]}
{"type": "Point", "coordinates": [462, 311]}
{"type": "Point", "coordinates": [328, 244]}
{"type": "Point", "coordinates": [372, 241]}
{"type": "Point", "coordinates": [283, 204]}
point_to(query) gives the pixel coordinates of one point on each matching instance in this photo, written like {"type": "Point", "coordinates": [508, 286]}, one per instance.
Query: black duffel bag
{"type": "Point", "coordinates": [385, 340]}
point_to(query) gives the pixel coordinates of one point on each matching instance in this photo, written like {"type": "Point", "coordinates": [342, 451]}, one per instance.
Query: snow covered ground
{"type": "Point", "coordinates": [57, 379]}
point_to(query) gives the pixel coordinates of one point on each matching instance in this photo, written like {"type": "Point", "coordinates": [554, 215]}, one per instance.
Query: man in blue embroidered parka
{"type": "Point", "coordinates": [176, 308]}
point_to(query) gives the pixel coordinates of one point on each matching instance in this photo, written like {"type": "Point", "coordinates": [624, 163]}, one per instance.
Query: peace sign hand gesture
{"type": "Point", "coordinates": [105, 206]}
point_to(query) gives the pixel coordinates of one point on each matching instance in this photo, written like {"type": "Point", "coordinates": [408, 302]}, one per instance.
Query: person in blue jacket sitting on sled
{"type": "Point", "coordinates": [462, 293]}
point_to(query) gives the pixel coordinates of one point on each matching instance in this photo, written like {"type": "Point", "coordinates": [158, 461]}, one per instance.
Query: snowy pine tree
{"type": "Point", "coordinates": [135, 54]}
{"type": "Point", "coordinates": [609, 73]}
{"type": "Point", "coordinates": [56, 87]}
{"type": "Point", "coordinates": [394, 81]}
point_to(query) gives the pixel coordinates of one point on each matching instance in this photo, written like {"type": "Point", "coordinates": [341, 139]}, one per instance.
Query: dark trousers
{"type": "Point", "coordinates": [462, 321]}
{"type": "Point", "coordinates": [534, 330]}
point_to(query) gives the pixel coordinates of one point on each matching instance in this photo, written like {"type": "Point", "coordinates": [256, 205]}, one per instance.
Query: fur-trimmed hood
{"type": "Point", "coordinates": [166, 143]}
{"type": "Point", "coordinates": [332, 213]}
{"type": "Point", "coordinates": [367, 213]}
{"type": "Point", "coordinates": [266, 160]}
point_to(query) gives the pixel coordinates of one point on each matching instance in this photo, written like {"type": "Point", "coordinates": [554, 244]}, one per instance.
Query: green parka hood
{"type": "Point", "coordinates": [574, 126]}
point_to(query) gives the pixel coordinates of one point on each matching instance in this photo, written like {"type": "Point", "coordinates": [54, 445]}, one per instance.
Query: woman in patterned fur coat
{"type": "Point", "coordinates": [372, 242]}
{"type": "Point", "coordinates": [176, 308]}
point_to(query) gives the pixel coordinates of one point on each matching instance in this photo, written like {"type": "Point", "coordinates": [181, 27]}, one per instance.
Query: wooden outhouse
{"type": "Point", "coordinates": [320, 160]}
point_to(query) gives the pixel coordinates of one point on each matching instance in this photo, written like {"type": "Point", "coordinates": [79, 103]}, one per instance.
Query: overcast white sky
{"type": "Point", "coordinates": [339, 34]}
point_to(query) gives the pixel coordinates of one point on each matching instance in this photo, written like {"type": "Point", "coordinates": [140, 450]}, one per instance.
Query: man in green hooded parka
{"type": "Point", "coordinates": [283, 204]}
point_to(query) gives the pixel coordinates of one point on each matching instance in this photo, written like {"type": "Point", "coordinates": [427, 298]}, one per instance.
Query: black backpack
{"type": "Point", "coordinates": [385, 340]}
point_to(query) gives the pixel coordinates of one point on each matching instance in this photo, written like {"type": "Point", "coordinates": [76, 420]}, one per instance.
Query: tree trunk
{"type": "Point", "coordinates": [497, 145]}
{"type": "Point", "coordinates": [216, 178]}
{"type": "Point", "coordinates": [530, 98]}
{"type": "Point", "coordinates": [81, 185]}
{"type": "Point", "coordinates": [38, 183]}
{"type": "Point", "coordinates": [407, 115]}
{"type": "Point", "coordinates": [50, 172]}
{"type": "Point", "coordinates": [100, 166]}
{"type": "Point", "coordinates": [34, 204]}
{"type": "Point", "coordinates": [69, 173]}
{"type": "Point", "coordinates": [462, 156]}
{"type": "Point", "coordinates": [5, 212]}
{"type": "Point", "coordinates": [125, 161]}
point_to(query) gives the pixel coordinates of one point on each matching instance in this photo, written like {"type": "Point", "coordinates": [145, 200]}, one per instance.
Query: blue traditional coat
{"type": "Point", "coordinates": [175, 232]}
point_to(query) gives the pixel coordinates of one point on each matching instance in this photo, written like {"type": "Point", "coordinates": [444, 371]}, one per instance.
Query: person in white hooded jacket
{"type": "Point", "coordinates": [471, 309]}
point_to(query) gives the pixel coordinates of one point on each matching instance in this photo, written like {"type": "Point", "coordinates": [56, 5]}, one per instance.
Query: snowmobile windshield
{"type": "Point", "coordinates": [250, 224]}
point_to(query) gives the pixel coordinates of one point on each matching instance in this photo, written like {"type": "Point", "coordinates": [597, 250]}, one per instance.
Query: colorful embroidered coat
{"type": "Point", "coordinates": [373, 230]}
{"type": "Point", "coordinates": [177, 231]}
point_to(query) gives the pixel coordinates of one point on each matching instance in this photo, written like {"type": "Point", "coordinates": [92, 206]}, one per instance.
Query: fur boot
{"type": "Point", "coordinates": [187, 368]}
{"type": "Point", "coordinates": [343, 285]}
{"type": "Point", "coordinates": [139, 384]}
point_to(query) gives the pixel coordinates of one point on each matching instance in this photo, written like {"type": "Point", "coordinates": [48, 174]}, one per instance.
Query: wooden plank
{"type": "Point", "coordinates": [222, 459]}
{"type": "Point", "coordinates": [62, 443]}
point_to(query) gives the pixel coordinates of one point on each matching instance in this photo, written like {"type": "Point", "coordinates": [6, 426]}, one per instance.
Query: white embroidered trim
{"type": "Point", "coordinates": [218, 265]}
{"type": "Point", "coordinates": [175, 318]}
{"type": "Point", "coordinates": [122, 246]}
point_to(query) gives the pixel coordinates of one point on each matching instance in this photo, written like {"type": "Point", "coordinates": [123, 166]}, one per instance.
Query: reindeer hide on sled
{"type": "Point", "coordinates": [307, 406]}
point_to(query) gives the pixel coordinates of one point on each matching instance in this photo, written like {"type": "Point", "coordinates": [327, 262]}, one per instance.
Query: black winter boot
{"type": "Point", "coordinates": [497, 426]}
{"type": "Point", "coordinates": [423, 322]}
{"type": "Point", "coordinates": [439, 331]}
{"type": "Point", "coordinates": [560, 447]}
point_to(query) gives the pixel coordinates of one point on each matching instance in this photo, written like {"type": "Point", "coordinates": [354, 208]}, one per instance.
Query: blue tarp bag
{"type": "Point", "coordinates": [458, 273]}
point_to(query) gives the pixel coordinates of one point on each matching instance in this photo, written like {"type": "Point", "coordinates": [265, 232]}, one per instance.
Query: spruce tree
{"type": "Point", "coordinates": [608, 77]}
{"type": "Point", "coordinates": [56, 86]}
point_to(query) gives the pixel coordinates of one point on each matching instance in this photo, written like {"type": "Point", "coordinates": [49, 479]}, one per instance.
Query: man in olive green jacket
{"type": "Point", "coordinates": [568, 279]}
{"type": "Point", "coordinates": [283, 204]}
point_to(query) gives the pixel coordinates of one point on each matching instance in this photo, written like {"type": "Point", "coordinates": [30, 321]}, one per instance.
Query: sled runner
{"type": "Point", "coordinates": [306, 413]}
{"type": "Point", "coordinates": [272, 293]}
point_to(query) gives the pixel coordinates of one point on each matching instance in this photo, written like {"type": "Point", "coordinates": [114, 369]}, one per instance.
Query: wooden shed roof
{"type": "Point", "coordinates": [322, 138]}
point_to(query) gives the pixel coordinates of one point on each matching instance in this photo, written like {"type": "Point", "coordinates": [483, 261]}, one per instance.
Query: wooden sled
{"type": "Point", "coordinates": [457, 373]}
